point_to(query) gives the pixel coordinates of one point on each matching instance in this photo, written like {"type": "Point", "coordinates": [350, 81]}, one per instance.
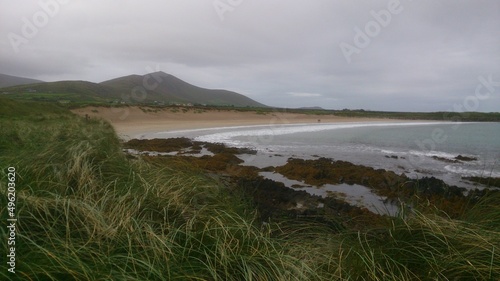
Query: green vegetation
{"type": "Point", "coordinates": [117, 92]}
{"type": "Point", "coordinates": [133, 89]}
{"type": "Point", "coordinates": [68, 99]}
{"type": "Point", "coordinates": [86, 211]}
{"type": "Point", "coordinates": [66, 93]}
{"type": "Point", "coordinates": [445, 116]}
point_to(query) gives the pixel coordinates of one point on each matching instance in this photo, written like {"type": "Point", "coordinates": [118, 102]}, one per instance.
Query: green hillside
{"type": "Point", "coordinates": [64, 92]}
{"type": "Point", "coordinates": [133, 89]}
{"type": "Point", "coordinates": [164, 87]}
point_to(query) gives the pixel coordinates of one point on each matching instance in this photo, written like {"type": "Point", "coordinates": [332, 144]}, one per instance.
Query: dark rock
{"type": "Point", "coordinates": [325, 171]}
{"type": "Point", "coordinates": [159, 145]}
{"type": "Point", "coordinates": [488, 181]}
{"type": "Point", "coordinates": [465, 158]}
{"type": "Point", "coordinates": [443, 159]}
{"type": "Point", "coordinates": [275, 201]}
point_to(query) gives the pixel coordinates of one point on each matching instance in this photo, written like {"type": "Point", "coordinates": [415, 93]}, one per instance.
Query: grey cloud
{"type": "Point", "coordinates": [429, 56]}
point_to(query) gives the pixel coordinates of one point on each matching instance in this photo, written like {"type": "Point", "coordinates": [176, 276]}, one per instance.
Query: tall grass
{"type": "Point", "coordinates": [87, 212]}
{"type": "Point", "coordinates": [420, 246]}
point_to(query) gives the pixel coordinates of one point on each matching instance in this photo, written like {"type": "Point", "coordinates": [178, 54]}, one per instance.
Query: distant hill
{"type": "Point", "coordinates": [312, 108]}
{"type": "Point", "coordinates": [153, 88]}
{"type": "Point", "coordinates": [163, 87]}
{"type": "Point", "coordinates": [74, 92]}
{"type": "Point", "coordinates": [8, 80]}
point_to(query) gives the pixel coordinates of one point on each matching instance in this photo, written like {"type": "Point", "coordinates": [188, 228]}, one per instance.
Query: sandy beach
{"type": "Point", "coordinates": [130, 122]}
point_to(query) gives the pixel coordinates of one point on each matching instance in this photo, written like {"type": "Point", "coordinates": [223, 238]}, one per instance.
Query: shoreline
{"type": "Point", "coordinates": [131, 122]}
{"type": "Point", "coordinates": [165, 123]}
{"type": "Point", "coordinates": [304, 184]}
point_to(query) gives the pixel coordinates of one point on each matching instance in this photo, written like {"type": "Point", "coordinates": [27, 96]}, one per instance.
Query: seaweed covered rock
{"type": "Point", "coordinates": [327, 171]}
{"type": "Point", "coordinates": [435, 187]}
{"type": "Point", "coordinates": [428, 192]}
{"type": "Point", "coordinates": [488, 181]}
{"type": "Point", "coordinates": [222, 148]}
{"type": "Point", "coordinates": [275, 201]}
{"type": "Point", "coordinates": [218, 162]}
{"type": "Point", "coordinates": [465, 158]}
{"type": "Point", "coordinates": [161, 145]}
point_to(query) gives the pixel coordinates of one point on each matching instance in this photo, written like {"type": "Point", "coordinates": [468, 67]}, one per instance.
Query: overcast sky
{"type": "Point", "coordinates": [377, 55]}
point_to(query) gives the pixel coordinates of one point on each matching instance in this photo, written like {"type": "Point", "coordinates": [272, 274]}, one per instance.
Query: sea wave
{"type": "Point", "coordinates": [471, 172]}
{"type": "Point", "coordinates": [433, 153]}
{"type": "Point", "coordinates": [267, 131]}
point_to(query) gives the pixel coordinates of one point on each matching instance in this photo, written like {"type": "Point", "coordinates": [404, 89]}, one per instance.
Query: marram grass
{"type": "Point", "coordinates": [87, 212]}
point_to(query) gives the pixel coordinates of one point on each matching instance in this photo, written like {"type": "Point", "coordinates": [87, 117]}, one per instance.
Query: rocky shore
{"type": "Point", "coordinates": [274, 201]}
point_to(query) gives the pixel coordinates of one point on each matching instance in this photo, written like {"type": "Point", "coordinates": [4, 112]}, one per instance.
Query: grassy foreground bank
{"type": "Point", "coordinates": [87, 212]}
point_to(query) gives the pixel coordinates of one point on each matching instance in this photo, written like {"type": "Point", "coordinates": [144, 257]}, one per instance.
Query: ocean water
{"type": "Point", "coordinates": [417, 149]}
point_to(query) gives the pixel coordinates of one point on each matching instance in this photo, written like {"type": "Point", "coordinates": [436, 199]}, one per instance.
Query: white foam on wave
{"type": "Point", "coordinates": [265, 133]}
{"type": "Point", "coordinates": [470, 172]}
{"type": "Point", "coordinates": [387, 151]}
{"type": "Point", "coordinates": [177, 132]}
{"type": "Point", "coordinates": [433, 153]}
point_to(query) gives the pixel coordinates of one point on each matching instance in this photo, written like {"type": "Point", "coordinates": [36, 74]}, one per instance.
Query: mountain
{"type": "Point", "coordinates": [8, 80]}
{"type": "Point", "coordinates": [153, 88]}
{"type": "Point", "coordinates": [163, 87]}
